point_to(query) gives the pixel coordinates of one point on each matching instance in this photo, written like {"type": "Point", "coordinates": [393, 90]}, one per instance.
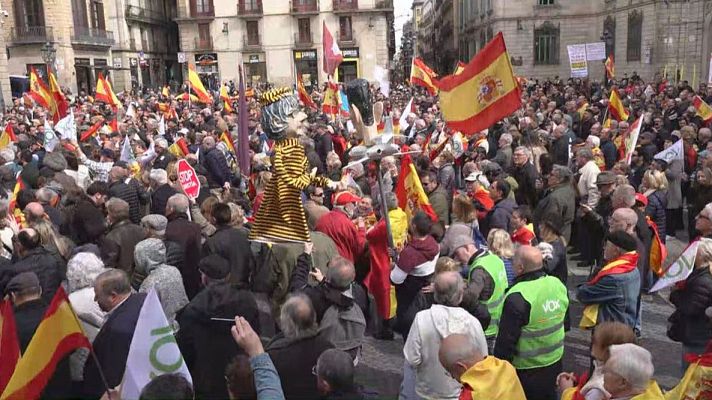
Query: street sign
{"type": "Point", "coordinates": [181, 57]}
{"type": "Point", "coordinates": [188, 179]}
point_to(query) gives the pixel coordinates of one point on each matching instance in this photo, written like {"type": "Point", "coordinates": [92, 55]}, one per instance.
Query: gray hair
{"type": "Point", "coordinates": [337, 368]}
{"type": "Point", "coordinates": [8, 154]}
{"type": "Point", "coordinates": [45, 195]}
{"type": "Point", "coordinates": [704, 252]}
{"type": "Point", "coordinates": [114, 280]}
{"type": "Point", "coordinates": [117, 209]}
{"type": "Point", "coordinates": [82, 270]}
{"type": "Point", "coordinates": [391, 201]}
{"type": "Point", "coordinates": [631, 362]}
{"type": "Point", "coordinates": [341, 273]}
{"type": "Point", "coordinates": [160, 176]}
{"type": "Point", "coordinates": [507, 138]}
{"type": "Point", "coordinates": [585, 153]}
{"type": "Point", "coordinates": [179, 203]}
{"type": "Point", "coordinates": [297, 317]}
{"type": "Point", "coordinates": [624, 193]}
{"type": "Point", "coordinates": [448, 288]}
{"type": "Point", "coordinates": [564, 173]}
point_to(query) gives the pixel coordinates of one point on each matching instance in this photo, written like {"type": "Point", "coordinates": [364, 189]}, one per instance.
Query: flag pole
{"type": "Point", "coordinates": [384, 209]}
{"type": "Point", "coordinates": [189, 90]}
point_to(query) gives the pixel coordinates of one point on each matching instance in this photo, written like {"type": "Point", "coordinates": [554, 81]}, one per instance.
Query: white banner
{"type": "Point", "coordinates": [577, 60]}
{"type": "Point", "coordinates": [596, 51]}
{"type": "Point", "coordinates": [709, 77]}
{"type": "Point", "coordinates": [680, 269]}
{"type": "Point", "coordinates": [674, 152]}
{"type": "Point", "coordinates": [66, 127]}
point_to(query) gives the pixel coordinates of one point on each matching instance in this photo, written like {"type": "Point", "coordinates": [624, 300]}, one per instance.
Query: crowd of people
{"type": "Point", "coordinates": [475, 285]}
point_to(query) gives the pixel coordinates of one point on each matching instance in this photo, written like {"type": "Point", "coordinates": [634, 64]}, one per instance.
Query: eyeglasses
{"type": "Point", "coordinates": [318, 194]}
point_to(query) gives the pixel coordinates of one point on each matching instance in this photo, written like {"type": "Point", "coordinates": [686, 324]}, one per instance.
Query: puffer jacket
{"type": "Point", "coordinates": [691, 298]}
{"type": "Point", "coordinates": [498, 217]}
{"type": "Point", "coordinates": [421, 348]}
{"type": "Point", "coordinates": [128, 194]}
{"type": "Point", "coordinates": [657, 204]}
{"type": "Point", "coordinates": [218, 170]}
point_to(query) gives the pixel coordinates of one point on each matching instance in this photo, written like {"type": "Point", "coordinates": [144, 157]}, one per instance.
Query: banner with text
{"type": "Point", "coordinates": [577, 60]}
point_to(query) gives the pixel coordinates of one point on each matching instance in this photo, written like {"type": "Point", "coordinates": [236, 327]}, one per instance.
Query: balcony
{"type": "Point", "coordinates": [252, 42]}
{"type": "Point", "coordinates": [95, 37]}
{"type": "Point", "coordinates": [249, 8]}
{"type": "Point", "coordinates": [346, 38]}
{"type": "Point", "coordinates": [344, 6]}
{"type": "Point", "coordinates": [303, 41]}
{"type": "Point", "coordinates": [304, 7]}
{"type": "Point", "coordinates": [203, 43]}
{"type": "Point", "coordinates": [31, 34]}
{"type": "Point", "coordinates": [141, 14]}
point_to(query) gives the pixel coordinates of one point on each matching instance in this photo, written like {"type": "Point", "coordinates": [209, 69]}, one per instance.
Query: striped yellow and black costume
{"type": "Point", "coordinates": [281, 215]}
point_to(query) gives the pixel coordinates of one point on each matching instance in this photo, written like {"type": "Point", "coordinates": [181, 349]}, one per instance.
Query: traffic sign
{"type": "Point", "coordinates": [181, 57]}
{"type": "Point", "coordinates": [188, 179]}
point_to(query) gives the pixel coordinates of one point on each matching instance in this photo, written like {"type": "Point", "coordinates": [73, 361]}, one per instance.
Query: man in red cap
{"type": "Point", "coordinates": [338, 225]}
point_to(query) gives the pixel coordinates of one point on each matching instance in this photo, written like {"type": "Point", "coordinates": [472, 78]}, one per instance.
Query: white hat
{"type": "Point", "coordinates": [478, 177]}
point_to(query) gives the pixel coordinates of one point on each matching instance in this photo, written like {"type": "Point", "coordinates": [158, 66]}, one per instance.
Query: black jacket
{"type": "Point", "coordinates": [498, 217]}
{"type": "Point", "coordinates": [159, 198]}
{"type": "Point", "coordinates": [111, 346]}
{"type": "Point", "coordinates": [295, 358]}
{"type": "Point", "coordinates": [188, 236]}
{"type": "Point", "coordinates": [656, 209]}
{"type": "Point", "coordinates": [207, 346]}
{"type": "Point", "coordinates": [50, 270]}
{"type": "Point", "coordinates": [560, 150]}
{"type": "Point", "coordinates": [162, 161]}
{"type": "Point", "coordinates": [610, 153]}
{"type": "Point", "coordinates": [125, 236]}
{"type": "Point", "coordinates": [232, 245]}
{"type": "Point", "coordinates": [218, 170]}
{"type": "Point", "coordinates": [128, 194]}
{"type": "Point", "coordinates": [689, 322]}
{"type": "Point", "coordinates": [526, 176]}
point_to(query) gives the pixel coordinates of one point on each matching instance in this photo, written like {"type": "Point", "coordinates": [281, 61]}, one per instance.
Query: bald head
{"type": "Point", "coordinates": [623, 219]}
{"type": "Point", "coordinates": [458, 353]}
{"type": "Point", "coordinates": [527, 259]}
{"type": "Point", "coordinates": [297, 317]}
{"type": "Point", "coordinates": [341, 273]}
{"type": "Point", "coordinates": [448, 288]}
{"type": "Point", "coordinates": [34, 211]}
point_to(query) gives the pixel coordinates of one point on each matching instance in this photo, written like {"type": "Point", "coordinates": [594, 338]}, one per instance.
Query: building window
{"type": "Point", "coordinates": [304, 30]}
{"type": "Point", "coordinates": [97, 14]}
{"type": "Point", "coordinates": [204, 31]}
{"type": "Point", "coordinates": [345, 33]}
{"type": "Point", "coordinates": [253, 33]}
{"type": "Point", "coordinates": [546, 44]}
{"type": "Point", "coordinates": [546, 2]}
{"type": "Point", "coordinates": [79, 13]}
{"type": "Point", "coordinates": [201, 7]}
{"type": "Point", "coordinates": [635, 35]}
{"type": "Point", "coordinates": [29, 13]}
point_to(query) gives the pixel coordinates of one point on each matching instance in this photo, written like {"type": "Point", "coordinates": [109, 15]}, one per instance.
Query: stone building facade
{"type": "Point", "coordinates": [277, 41]}
{"type": "Point", "coordinates": [645, 36]}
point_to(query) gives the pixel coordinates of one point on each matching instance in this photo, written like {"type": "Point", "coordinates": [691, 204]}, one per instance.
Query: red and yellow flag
{"type": "Point", "coordinates": [410, 193]}
{"type": "Point", "coordinates": [658, 251]}
{"type": "Point", "coordinates": [459, 68]}
{"type": "Point", "coordinates": [9, 343]}
{"type": "Point", "coordinates": [227, 107]}
{"type": "Point", "coordinates": [227, 139]}
{"type": "Point", "coordinates": [196, 85]}
{"type": "Point", "coordinates": [304, 96]}
{"type": "Point", "coordinates": [422, 75]}
{"type": "Point", "coordinates": [615, 107]}
{"type": "Point", "coordinates": [92, 131]}
{"type": "Point", "coordinates": [61, 109]}
{"type": "Point", "coordinates": [483, 93]}
{"type": "Point", "coordinates": [39, 91]}
{"type": "Point", "coordinates": [8, 136]}
{"type": "Point", "coordinates": [703, 109]}
{"type": "Point", "coordinates": [188, 97]}
{"type": "Point", "coordinates": [179, 148]}
{"type": "Point", "coordinates": [166, 91]}
{"type": "Point", "coordinates": [610, 67]}
{"type": "Point", "coordinates": [582, 109]}
{"type": "Point", "coordinates": [105, 93]}
{"type": "Point", "coordinates": [331, 99]}
{"type": "Point", "coordinates": [57, 336]}
{"type": "Point", "coordinates": [19, 185]}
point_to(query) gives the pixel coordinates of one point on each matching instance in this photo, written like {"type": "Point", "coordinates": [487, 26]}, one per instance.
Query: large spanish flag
{"type": "Point", "coordinates": [703, 109]}
{"type": "Point", "coordinates": [226, 138]}
{"type": "Point", "coordinates": [610, 67]}
{"type": "Point", "coordinates": [9, 343]}
{"type": "Point", "coordinates": [39, 91]}
{"type": "Point", "coordinates": [92, 131]}
{"type": "Point", "coordinates": [58, 335]}
{"type": "Point", "coordinates": [197, 85]}
{"type": "Point", "coordinates": [179, 148]}
{"type": "Point", "coordinates": [422, 75]}
{"type": "Point", "coordinates": [105, 93]}
{"type": "Point", "coordinates": [409, 191]}
{"type": "Point", "coordinates": [331, 104]}
{"type": "Point", "coordinates": [61, 109]}
{"type": "Point", "coordinates": [485, 92]}
{"type": "Point", "coordinates": [7, 136]}
{"type": "Point", "coordinates": [304, 96]}
{"type": "Point", "coordinates": [615, 106]}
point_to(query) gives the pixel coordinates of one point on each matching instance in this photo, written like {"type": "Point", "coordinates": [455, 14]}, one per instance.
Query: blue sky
{"type": "Point", "coordinates": [402, 14]}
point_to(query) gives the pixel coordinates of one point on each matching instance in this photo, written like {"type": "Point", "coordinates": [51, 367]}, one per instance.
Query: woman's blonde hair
{"type": "Point", "coordinates": [704, 253]}
{"type": "Point", "coordinates": [446, 264]}
{"type": "Point", "coordinates": [500, 243]}
{"type": "Point", "coordinates": [462, 208]}
{"type": "Point", "coordinates": [654, 179]}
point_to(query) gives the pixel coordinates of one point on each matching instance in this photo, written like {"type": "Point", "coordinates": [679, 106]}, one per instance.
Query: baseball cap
{"type": "Point", "coordinates": [640, 198]}
{"type": "Point", "coordinates": [22, 282]}
{"type": "Point", "coordinates": [345, 197]}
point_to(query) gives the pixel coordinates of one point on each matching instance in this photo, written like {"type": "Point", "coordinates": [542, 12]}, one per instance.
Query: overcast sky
{"type": "Point", "coordinates": [402, 13]}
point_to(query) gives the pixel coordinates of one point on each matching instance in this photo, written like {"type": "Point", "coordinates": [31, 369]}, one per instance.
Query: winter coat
{"type": "Point", "coordinates": [610, 153]}
{"type": "Point", "coordinates": [587, 189]}
{"type": "Point", "coordinates": [689, 324]}
{"type": "Point", "coordinates": [674, 193]}
{"type": "Point", "coordinates": [295, 358]}
{"type": "Point", "coordinates": [349, 240]}
{"type": "Point", "coordinates": [91, 318]}
{"type": "Point", "coordinates": [498, 217]}
{"type": "Point", "coordinates": [150, 258]}
{"type": "Point", "coordinates": [559, 200]}
{"type": "Point", "coordinates": [85, 222]}
{"type": "Point", "coordinates": [206, 345]}
{"type": "Point", "coordinates": [421, 348]}
{"type": "Point", "coordinates": [504, 157]}
{"type": "Point", "coordinates": [218, 170]}
{"type": "Point", "coordinates": [125, 236]}
{"type": "Point", "coordinates": [162, 161]}
{"type": "Point", "coordinates": [526, 176]}
{"type": "Point", "coordinates": [50, 270]}
{"type": "Point", "coordinates": [439, 201]}
{"type": "Point", "coordinates": [188, 236]}
{"type": "Point", "coordinates": [560, 151]}
{"type": "Point", "coordinates": [657, 204]}
{"type": "Point", "coordinates": [159, 198]}
{"type": "Point", "coordinates": [446, 178]}
{"type": "Point", "coordinates": [232, 245]}
{"type": "Point", "coordinates": [128, 194]}
{"type": "Point", "coordinates": [616, 296]}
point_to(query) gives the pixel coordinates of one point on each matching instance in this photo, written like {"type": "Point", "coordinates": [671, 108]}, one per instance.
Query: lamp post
{"type": "Point", "coordinates": [49, 55]}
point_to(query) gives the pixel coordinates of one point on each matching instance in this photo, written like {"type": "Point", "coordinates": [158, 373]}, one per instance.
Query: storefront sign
{"type": "Point", "coordinates": [117, 62]}
{"type": "Point", "coordinates": [254, 58]}
{"type": "Point", "coordinates": [577, 60]}
{"type": "Point", "coordinates": [181, 57]}
{"type": "Point", "coordinates": [305, 55]}
{"type": "Point", "coordinates": [350, 53]}
{"type": "Point", "coordinates": [206, 58]}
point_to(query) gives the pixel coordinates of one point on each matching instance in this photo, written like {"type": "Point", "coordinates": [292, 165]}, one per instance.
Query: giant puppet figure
{"type": "Point", "coordinates": [281, 216]}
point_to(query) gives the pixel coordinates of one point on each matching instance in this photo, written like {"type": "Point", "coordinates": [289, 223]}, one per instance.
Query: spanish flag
{"type": "Point", "coordinates": [166, 91]}
{"type": "Point", "coordinates": [615, 107]}
{"type": "Point", "coordinates": [113, 125]}
{"type": "Point", "coordinates": [658, 251]}
{"type": "Point", "coordinates": [9, 343]}
{"type": "Point", "coordinates": [610, 67]}
{"type": "Point", "coordinates": [410, 193]}
{"type": "Point", "coordinates": [304, 96]}
{"type": "Point", "coordinates": [179, 148]}
{"type": "Point", "coordinates": [92, 131]}
{"type": "Point", "coordinates": [196, 85]}
{"type": "Point", "coordinates": [58, 335]}
{"type": "Point", "coordinates": [19, 185]}
{"type": "Point", "coordinates": [61, 104]}
{"type": "Point", "coordinates": [7, 136]}
{"type": "Point", "coordinates": [39, 91]}
{"type": "Point", "coordinates": [227, 107]}
{"type": "Point", "coordinates": [459, 68]}
{"type": "Point", "coordinates": [227, 139]}
{"type": "Point", "coordinates": [703, 109]}
{"type": "Point", "coordinates": [188, 97]}
{"type": "Point", "coordinates": [582, 109]}
{"type": "Point", "coordinates": [483, 93]}
{"type": "Point", "coordinates": [223, 93]}
{"type": "Point", "coordinates": [105, 93]}
{"type": "Point", "coordinates": [331, 99]}
{"type": "Point", "coordinates": [621, 265]}
{"type": "Point", "coordinates": [422, 75]}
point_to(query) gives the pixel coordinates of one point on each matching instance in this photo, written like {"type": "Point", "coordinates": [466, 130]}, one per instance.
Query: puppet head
{"type": "Point", "coordinates": [281, 116]}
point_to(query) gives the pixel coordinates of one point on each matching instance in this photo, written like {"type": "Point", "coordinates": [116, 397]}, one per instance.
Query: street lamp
{"type": "Point", "coordinates": [49, 55]}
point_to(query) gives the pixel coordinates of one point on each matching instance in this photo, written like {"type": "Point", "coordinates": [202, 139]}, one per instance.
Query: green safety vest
{"type": "Point", "coordinates": [542, 340]}
{"type": "Point", "coordinates": [494, 266]}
